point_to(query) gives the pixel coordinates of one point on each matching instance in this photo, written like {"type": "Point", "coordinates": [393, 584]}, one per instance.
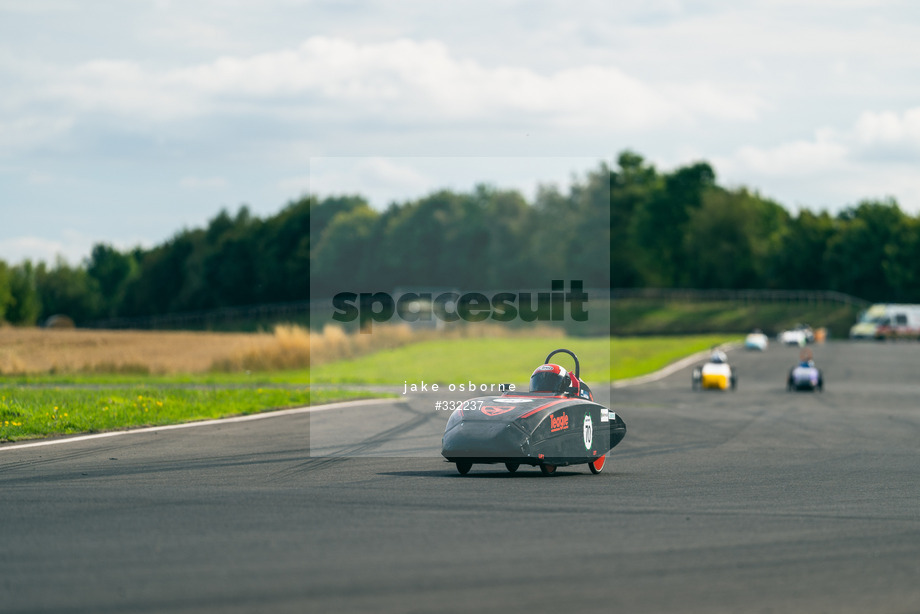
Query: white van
{"type": "Point", "coordinates": [888, 321]}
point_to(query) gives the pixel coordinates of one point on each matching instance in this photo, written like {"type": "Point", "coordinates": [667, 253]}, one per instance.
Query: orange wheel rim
{"type": "Point", "coordinates": [599, 463]}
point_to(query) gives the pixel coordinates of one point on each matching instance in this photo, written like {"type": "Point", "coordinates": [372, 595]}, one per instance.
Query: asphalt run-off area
{"type": "Point", "coordinates": [758, 500]}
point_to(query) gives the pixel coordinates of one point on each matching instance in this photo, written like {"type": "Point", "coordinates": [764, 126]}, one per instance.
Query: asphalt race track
{"type": "Point", "coordinates": [757, 500]}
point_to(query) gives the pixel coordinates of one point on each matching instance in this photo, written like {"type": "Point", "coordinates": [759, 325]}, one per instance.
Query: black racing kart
{"type": "Point", "coordinates": [547, 429]}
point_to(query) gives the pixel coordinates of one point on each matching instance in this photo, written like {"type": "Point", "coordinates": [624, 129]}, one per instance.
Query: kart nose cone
{"type": "Point", "coordinates": [471, 439]}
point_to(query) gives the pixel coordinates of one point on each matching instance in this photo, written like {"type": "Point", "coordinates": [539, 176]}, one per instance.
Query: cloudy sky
{"type": "Point", "coordinates": [123, 121]}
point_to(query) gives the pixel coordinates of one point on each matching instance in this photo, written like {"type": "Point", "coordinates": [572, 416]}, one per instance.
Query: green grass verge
{"type": "Point", "coordinates": [634, 356]}
{"type": "Point", "coordinates": [512, 359]}
{"type": "Point", "coordinates": [43, 406]}
{"type": "Point", "coordinates": [27, 413]}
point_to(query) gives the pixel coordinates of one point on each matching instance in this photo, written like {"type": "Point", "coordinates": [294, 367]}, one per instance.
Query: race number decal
{"type": "Point", "coordinates": [588, 431]}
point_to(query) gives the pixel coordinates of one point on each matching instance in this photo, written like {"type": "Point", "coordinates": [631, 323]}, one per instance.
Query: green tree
{"type": "Point", "coordinates": [25, 308]}
{"type": "Point", "coordinates": [659, 226]}
{"type": "Point", "coordinates": [859, 252]}
{"type": "Point", "coordinates": [228, 260]}
{"type": "Point", "coordinates": [731, 237]}
{"type": "Point", "coordinates": [111, 270]}
{"type": "Point", "coordinates": [507, 221]}
{"type": "Point", "coordinates": [631, 189]}
{"type": "Point", "coordinates": [800, 260]}
{"type": "Point", "coordinates": [6, 295]}
{"type": "Point", "coordinates": [343, 250]}
{"type": "Point", "coordinates": [68, 291]}
{"type": "Point", "coordinates": [283, 254]}
{"type": "Point", "coordinates": [162, 275]}
{"type": "Point", "coordinates": [590, 211]}
{"type": "Point", "coordinates": [901, 264]}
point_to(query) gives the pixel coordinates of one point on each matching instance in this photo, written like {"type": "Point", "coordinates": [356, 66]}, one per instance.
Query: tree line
{"type": "Point", "coordinates": [659, 229]}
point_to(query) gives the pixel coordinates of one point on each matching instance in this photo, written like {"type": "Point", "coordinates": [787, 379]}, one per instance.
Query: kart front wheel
{"type": "Point", "coordinates": [598, 465]}
{"type": "Point", "coordinates": [512, 467]}
{"type": "Point", "coordinates": [548, 469]}
{"type": "Point", "coordinates": [463, 467]}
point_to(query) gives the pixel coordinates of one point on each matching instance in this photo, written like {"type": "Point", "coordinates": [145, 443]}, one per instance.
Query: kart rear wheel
{"type": "Point", "coordinates": [548, 469]}
{"type": "Point", "coordinates": [598, 465]}
{"type": "Point", "coordinates": [512, 467]}
{"type": "Point", "coordinates": [463, 467]}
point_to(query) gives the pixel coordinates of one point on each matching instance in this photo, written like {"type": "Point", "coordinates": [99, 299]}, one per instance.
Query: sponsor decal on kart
{"type": "Point", "coordinates": [605, 414]}
{"type": "Point", "coordinates": [496, 410]}
{"type": "Point", "coordinates": [559, 423]}
{"type": "Point", "coordinates": [588, 431]}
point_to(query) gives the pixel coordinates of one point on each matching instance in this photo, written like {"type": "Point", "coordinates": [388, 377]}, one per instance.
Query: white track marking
{"type": "Point", "coordinates": [186, 425]}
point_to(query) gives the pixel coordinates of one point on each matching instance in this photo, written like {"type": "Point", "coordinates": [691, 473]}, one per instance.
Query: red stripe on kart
{"type": "Point", "coordinates": [544, 406]}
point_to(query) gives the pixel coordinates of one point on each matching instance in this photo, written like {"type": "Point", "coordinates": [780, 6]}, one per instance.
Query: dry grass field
{"type": "Point", "coordinates": [26, 351]}
{"type": "Point", "coordinates": [38, 350]}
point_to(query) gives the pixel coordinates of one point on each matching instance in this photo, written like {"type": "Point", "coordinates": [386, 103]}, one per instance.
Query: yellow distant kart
{"type": "Point", "coordinates": [716, 374]}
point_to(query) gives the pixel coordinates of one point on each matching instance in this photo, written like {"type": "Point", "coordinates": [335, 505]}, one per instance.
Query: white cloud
{"type": "Point", "coordinates": [194, 34]}
{"type": "Point", "coordinates": [160, 101]}
{"type": "Point", "coordinates": [402, 80]}
{"type": "Point", "coordinates": [38, 178]}
{"type": "Point", "coordinates": [380, 180]}
{"type": "Point", "coordinates": [838, 150]}
{"type": "Point", "coordinates": [384, 180]}
{"type": "Point", "coordinates": [709, 100]}
{"type": "Point", "coordinates": [299, 185]}
{"type": "Point", "coordinates": [125, 87]}
{"type": "Point", "coordinates": [203, 182]}
{"type": "Point", "coordinates": [794, 158]}
{"type": "Point", "coordinates": [71, 246]}
{"type": "Point", "coordinates": [29, 131]}
{"type": "Point", "coordinates": [888, 127]}
{"type": "Point", "coordinates": [875, 157]}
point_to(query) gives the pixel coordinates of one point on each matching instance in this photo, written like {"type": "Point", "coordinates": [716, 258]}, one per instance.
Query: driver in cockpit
{"type": "Point", "coordinates": [554, 379]}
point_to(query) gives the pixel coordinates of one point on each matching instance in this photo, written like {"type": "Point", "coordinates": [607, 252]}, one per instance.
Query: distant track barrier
{"type": "Point", "coordinates": [740, 296]}
{"type": "Point", "coordinates": [254, 316]}
{"type": "Point", "coordinates": [210, 318]}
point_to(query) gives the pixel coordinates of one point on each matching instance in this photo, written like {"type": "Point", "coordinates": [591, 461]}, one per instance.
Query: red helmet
{"type": "Point", "coordinates": [549, 378]}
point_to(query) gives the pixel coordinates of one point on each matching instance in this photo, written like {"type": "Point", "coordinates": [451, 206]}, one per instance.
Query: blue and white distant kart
{"type": "Point", "coordinates": [805, 376]}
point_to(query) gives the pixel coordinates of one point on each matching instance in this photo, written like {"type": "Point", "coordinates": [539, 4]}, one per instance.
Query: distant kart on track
{"type": "Point", "coordinates": [556, 423]}
{"type": "Point", "coordinates": [756, 340]}
{"type": "Point", "coordinates": [805, 376]}
{"type": "Point", "coordinates": [716, 374]}
{"type": "Point", "coordinates": [801, 335]}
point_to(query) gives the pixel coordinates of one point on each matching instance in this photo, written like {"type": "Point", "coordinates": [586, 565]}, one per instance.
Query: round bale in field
{"type": "Point", "coordinates": [59, 320]}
